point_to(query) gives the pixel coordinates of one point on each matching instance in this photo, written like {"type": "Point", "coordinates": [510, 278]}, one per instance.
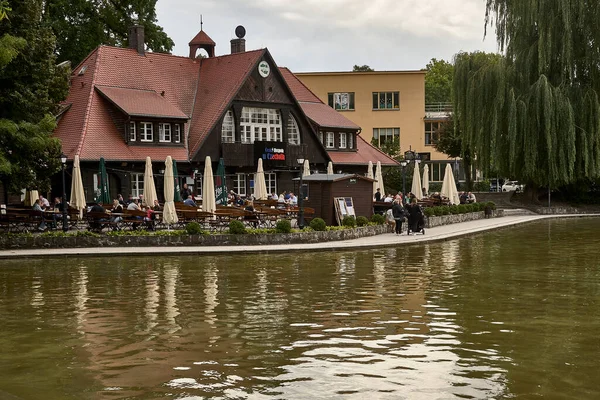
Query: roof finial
{"type": "Point", "coordinates": [200, 21]}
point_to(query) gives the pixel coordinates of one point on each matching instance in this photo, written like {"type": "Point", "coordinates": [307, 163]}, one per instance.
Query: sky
{"type": "Point", "coordinates": [334, 35]}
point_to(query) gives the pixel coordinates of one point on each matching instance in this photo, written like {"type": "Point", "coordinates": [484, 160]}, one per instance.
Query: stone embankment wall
{"type": "Point", "coordinates": [40, 241]}
{"type": "Point", "coordinates": [432, 222]}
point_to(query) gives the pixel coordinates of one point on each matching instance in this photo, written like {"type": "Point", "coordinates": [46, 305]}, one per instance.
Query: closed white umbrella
{"type": "Point", "coordinates": [330, 168]}
{"type": "Point", "coordinates": [149, 187]}
{"type": "Point", "coordinates": [370, 175]}
{"type": "Point", "coordinates": [77, 192]}
{"type": "Point", "coordinates": [30, 197]}
{"type": "Point", "coordinates": [449, 186]}
{"type": "Point", "coordinates": [426, 178]}
{"type": "Point", "coordinates": [416, 188]}
{"type": "Point", "coordinates": [169, 213]}
{"type": "Point", "coordinates": [260, 186]}
{"type": "Point", "coordinates": [209, 203]}
{"type": "Point", "coordinates": [306, 169]}
{"type": "Point", "coordinates": [379, 177]}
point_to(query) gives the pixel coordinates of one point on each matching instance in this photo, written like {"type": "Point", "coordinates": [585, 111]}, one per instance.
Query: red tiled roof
{"type": "Point", "coordinates": [202, 38]}
{"type": "Point", "coordinates": [313, 107]}
{"type": "Point", "coordinates": [365, 153]}
{"type": "Point", "coordinates": [219, 81]}
{"type": "Point", "coordinates": [140, 103]}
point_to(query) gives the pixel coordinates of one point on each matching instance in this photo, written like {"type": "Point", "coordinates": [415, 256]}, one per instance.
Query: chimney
{"type": "Point", "coordinates": [238, 45]}
{"type": "Point", "coordinates": [136, 38]}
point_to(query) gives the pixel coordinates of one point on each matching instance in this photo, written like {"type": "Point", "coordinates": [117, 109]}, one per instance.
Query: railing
{"type": "Point", "coordinates": [439, 107]}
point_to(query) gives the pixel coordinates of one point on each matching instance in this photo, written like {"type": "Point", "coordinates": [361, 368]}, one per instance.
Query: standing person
{"type": "Point", "coordinates": [398, 212]}
{"type": "Point", "coordinates": [185, 192]}
{"type": "Point", "coordinates": [378, 195]}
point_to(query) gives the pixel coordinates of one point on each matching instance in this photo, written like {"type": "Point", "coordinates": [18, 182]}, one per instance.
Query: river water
{"type": "Point", "coordinates": [512, 313]}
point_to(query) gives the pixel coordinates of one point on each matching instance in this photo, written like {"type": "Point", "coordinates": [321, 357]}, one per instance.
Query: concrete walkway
{"type": "Point", "coordinates": [440, 233]}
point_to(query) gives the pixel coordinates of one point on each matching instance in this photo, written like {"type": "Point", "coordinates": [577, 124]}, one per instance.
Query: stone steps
{"type": "Point", "coordinates": [510, 212]}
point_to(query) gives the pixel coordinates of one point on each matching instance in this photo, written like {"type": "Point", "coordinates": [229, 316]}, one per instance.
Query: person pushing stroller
{"type": "Point", "coordinates": [416, 219]}
{"type": "Point", "coordinates": [399, 213]}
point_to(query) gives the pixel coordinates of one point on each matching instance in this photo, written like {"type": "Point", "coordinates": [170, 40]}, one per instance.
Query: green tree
{"type": "Point", "coordinates": [362, 68]}
{"type": "Point", "coordinates": [534, 114]}
{"type": "Point", "coordinates": [82, 25]}
{"type": "Point", "coordinates": [389, 147]}
{"type": "Point", "coordinates": [438, 81]}
{"type": "Point", "coordinates": [450, 142]}
{"type": "Point", "coordinates": [31, 86]}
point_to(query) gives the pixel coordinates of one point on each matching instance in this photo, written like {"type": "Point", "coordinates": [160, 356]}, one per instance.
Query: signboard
{"type": "Point", "coordinates": [343, 206]}
{"type": "Point", "coordinates": [272, 153]}
{"type": "Point", "coordinates": [264, 69]}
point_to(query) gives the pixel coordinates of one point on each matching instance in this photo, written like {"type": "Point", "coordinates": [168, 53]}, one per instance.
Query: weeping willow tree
{"type": "Point", "coordinates": [533, 114]}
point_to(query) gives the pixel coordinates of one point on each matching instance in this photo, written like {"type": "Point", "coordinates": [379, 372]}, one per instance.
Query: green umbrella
{"type": "Point", "coordinates": [176, 196]}
{"type": "Point", "coordinates": [220, 185]}
{"type": "Point", "coordinates": [104, 192]}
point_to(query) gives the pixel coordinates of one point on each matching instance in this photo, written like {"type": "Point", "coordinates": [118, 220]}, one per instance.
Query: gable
{"type": "Point", "coordinates": [270, 89]}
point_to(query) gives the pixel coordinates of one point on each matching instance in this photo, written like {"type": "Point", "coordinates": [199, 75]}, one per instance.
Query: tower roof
{"type": "Point", "coordinates": [202, 39]}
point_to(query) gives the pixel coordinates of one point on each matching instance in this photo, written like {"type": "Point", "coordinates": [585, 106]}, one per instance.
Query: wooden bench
{"type": "Point", "coordinates": [97, 221]}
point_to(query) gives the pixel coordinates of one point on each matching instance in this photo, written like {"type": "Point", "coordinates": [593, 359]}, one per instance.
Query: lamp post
{"type": "Point", "coordinates": [403, 163]}
{"type": "Point", "coordinates": [65, 224]}
{"type": "Point", "coordinates": [301, 198]}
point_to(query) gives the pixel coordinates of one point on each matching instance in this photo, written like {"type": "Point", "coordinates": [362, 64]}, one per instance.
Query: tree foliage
{"type": "Point", "coordinates": [31, 86]}
{"type": "Point", "coordinates": [450, 142]}
{"type": "Point", "coordinates": [534, 114]}
{"type": "Point", "coordinates": [362, 68]}
{"type": "Point", "coordinates": [82, 25]}
{"type": "Point", "coordinates": [438, 81]}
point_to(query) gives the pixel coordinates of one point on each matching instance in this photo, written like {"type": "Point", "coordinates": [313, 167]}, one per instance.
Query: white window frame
{"type": "Point", "coordinates": [239, 184]}
{"type": "Point", "coordinates": [137, 185]}
{"type": "Point", "coordinates": [146, 132]}
{"type": "Point", "coordinates": [271, 182]}
{"type": "Point", "coordinates": [387, 133]}
{"type": "Point", "coordinates": [351, 140]}
{"type": "Point", "coordinates": [132, 131]}
{"type": "Point", "coordinates": [343, 140]}
{"type": "Point", "coordinates": [387, 96]}
{"type": "Point", "coordinates": [261, 124]}
{"type": "Point", "coordinates": [228, 128]}
{"type": "Point", "coordinates": [164, 132]}
{"type": "Point", "coordinates": [321, 137]}
{"type": "Point", "coordinates": [330, 140]}
{"type": "Point", "coordinates": [293, 131]}
{"type": "Point", "coordinates": [343, 101]}
{"type": "Point", "coordinates": [177, 133]}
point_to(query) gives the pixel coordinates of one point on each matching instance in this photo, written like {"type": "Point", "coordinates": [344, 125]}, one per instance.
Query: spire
{"type": "Point", "coordinates": [202, 41]}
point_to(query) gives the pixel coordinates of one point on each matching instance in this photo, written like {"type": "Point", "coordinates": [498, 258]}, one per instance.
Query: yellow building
{"type": "Point", "coordinates": [385, 104]}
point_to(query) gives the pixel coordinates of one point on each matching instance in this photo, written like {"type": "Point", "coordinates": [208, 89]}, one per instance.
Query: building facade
{"type": "Point", "coordinates": [126, 104]}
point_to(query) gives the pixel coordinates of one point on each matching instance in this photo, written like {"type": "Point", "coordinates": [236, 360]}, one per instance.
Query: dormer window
{"type": "Point", "coordinates": [330, 140]}
{"type": "Point", "coordinates": [351, 140]}
{"type": "Point", "coordinates": [227, 129]}
{"type": "Point", "coordinates": [132, 132]}
{"type": "Point", "coordinates": [293, 131]}
{"type": "Point", "coordinates": [146, 132]}
{"type": "Point", "coordinates": [321, 137]}
{"type": "Point", "coordinates": [164, 133]}
{"type": "Point", "coordinates": [177, 133]}
{"type": "Point", "coordinates": [343, 140]}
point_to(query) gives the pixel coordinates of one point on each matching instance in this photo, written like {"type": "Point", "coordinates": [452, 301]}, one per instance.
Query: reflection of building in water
{"type": "Point", "coordinates": [211, 290]}
{"type": "Point", "coordinates": [81, 297]}
{"type": "Point", "coordinates": [171, 276]}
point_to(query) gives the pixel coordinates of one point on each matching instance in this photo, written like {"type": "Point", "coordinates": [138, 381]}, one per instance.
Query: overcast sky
{"type": "Point", "coordinates": [333, 35]}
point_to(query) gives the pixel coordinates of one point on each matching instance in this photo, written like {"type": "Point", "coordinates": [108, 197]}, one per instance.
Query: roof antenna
{"type": "Point", "coordinates": [200, 21]}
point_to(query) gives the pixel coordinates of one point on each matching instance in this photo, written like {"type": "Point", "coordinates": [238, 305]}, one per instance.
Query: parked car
{"type": "Point", "coordinates": [510, 186]}
{"type": "Point", "coordinates": [496, 184]}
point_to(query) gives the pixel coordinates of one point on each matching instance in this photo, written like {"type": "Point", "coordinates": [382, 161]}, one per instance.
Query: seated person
{"type": "Point", "coordinates": [97, 208]}
{"type": "Point", "coordinates": [252, 218]}
{"type": "Point", "coordinates": [134, 205]}
{"type": "Point", "coordinates": [156, 206]}
{"type": "Point", "coordinates": [293, 199]}
{"type": "Point", "coordinates": [38, 207]}
{"type": "Point", "coordinates": [117, 208]}
{"type": "Point", "coordinates": [388, 199]}
{"type": "Point", "coordinates": [239, 201]}
{"type": "Point", "coordinates": [190, 202]}
{"type": "Point", "coordinates": [463, 197]}
{"type": "Point", "coordinates": [471, 198]}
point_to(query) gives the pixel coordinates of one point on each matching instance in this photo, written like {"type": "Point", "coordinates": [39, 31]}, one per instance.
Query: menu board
{"type": "Point", "coordinates": [343, 206]}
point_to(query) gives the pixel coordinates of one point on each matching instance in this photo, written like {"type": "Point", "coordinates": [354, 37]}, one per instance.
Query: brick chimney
{"type": "Point", "coordinates": [238, 45]}
{"type": "Point", "coordinates": [136, 39]}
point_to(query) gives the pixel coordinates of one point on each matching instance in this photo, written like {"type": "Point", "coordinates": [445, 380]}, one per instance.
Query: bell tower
{"type": "Point", "coordinates": [202, 41]}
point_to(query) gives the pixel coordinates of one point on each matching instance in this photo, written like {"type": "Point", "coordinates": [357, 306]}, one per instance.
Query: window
{"type": "Point", "coordinates": [227, 129]}
{"type": "Point", "coordinates": [321, 137]}
{"type": "Point", "coordinates": [386, 100]}
{"type": "Point", "coordinates": [132, 136]}
{"type": "Point", "coordinates": [293, 131]}
{"type": "Point", "coordinates": [271, 182]}
{"type": "Point", "coordinates": [341, 101]}
{"type": "Point", "coordinates": [137, 185]}
{"type": "Point", "coordinates": [164, 133]}
{"type": "Point", "coordinates": [260, 124]}
{"type": "Point", "coordinates": [239, 184]}
{"type": "Point", "coordinates": [385, 135]}
{"type": "Point", "coordinates": [146, 132]}
{"type": "Point", "coordinates": [432, 132]}
{"type": "Point", "coordinates": [177, 133]}
{"type": "Point", "coordinates": [351, 140]}
{"type": "Point", "coordinates": [330, 140]}
{"type": "Point", "coordinates": [343, 140]}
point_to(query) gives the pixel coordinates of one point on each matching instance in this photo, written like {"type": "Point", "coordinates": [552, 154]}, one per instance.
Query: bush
{"type": "Point", "coordinates": [454, 209]}
{"type": "Point", "coordinates": [437, 211]}
{"type": "Point", "coordinates": [378, 219]}
{"type": "Point", "coordinates": [193, 228]}
{"type": "Point", "coordinates": [362, 221]}
{"type": "Point", "coordinates": [349, 221]}
{"type": "Point", "coordinates": [237, 228]}
{"type": "Point", "coordinates": [462, 208]}
{"type": "Point", "coordinates": [428, 211]}
{"type": "Point", "coordinates": [491, 204]}
{"type": "Point", "coordinates": [318, 224]}
{"type": "Point", "coordinates": [283, 226]}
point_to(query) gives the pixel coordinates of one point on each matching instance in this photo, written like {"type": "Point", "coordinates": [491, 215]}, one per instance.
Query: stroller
{"type": "Point", "coordinates": [416, 220]}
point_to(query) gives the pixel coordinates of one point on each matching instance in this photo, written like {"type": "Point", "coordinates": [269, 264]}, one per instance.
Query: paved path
{"type": "Point", "coordinates": [388, 239]}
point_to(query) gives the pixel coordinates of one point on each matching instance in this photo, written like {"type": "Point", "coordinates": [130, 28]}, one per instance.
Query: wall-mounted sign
{"type": "Point", "coordinates": [263, 69]}
{"type": "Point", "coordinates": [272, 153]}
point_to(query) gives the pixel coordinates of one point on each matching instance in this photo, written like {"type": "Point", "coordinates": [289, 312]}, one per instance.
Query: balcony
{"type": "Point", "coordinates": [438, 110]}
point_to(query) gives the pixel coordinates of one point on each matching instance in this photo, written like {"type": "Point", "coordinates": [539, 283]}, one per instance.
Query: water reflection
{"type": "Point", "coordinates": [457, 319]}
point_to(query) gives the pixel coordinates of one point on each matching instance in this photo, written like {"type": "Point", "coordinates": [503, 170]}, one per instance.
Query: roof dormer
{"type": "Point", "coordinates": [202, 41]}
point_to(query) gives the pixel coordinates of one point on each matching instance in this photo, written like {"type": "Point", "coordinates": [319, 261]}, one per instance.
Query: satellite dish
{"type": "Point", "coordinates": [240, 32]}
